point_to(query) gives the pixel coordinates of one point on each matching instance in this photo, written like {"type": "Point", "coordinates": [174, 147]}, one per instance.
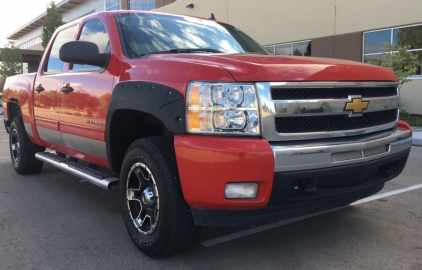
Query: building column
{"type": "Point", "coordinates": [125, 4]}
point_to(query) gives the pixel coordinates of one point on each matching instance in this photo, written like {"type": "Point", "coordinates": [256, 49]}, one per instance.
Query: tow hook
{"type": "Point", "coordinates": [384, 170]}
{"type": "Point", "coordinates": [308, 185]}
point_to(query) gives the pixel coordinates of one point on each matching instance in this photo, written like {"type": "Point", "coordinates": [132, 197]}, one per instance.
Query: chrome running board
{"type": "Point", "coordinates": [93, 176]}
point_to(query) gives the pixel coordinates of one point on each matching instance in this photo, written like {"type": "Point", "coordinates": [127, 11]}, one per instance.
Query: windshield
{"type": "Point", "coordinates": [144, 33]}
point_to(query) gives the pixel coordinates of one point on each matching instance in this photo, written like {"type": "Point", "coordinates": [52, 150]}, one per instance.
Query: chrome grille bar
{"type": "Point", "coordinates": [270, 109]}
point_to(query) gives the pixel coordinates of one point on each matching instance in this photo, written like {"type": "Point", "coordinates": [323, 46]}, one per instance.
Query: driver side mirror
{"type": "Point", "coordinates": [83, 53]}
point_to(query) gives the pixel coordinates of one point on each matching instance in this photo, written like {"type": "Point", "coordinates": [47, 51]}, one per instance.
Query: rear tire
{"type": "Point", "coordinates": [155, 213]}
{"type": "Point", "coordinates": [22, 150]}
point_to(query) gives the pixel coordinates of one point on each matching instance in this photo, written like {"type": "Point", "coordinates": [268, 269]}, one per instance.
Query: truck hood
{"type": "Point", "coordinates": [272, 68]}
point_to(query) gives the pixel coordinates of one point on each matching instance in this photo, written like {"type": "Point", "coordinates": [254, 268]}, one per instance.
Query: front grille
{"type": "Point", "coordinates": [331, 93]}
{"type": "Point", "coordinates": [333, 122]}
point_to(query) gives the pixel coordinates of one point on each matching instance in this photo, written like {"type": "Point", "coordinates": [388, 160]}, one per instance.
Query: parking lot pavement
{"type": "Point", "coordinates": [53, 221]}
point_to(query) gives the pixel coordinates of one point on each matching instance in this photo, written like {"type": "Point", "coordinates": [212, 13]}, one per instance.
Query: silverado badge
{"type": "Point", "coordinates": [357, 105]}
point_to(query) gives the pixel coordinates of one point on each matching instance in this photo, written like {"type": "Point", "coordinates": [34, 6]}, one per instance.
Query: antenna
{"type": "Point", "coordinates": [212, 17]}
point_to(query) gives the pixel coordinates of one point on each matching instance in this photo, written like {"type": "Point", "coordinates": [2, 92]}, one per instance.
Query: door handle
{"type": "Point", "coordinates": [66, 89]}
{"type": "Point", "coordinates": [39, 89]}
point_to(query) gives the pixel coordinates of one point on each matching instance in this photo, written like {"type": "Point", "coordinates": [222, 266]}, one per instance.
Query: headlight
{"type": "Point", "coordinates": [222, 107]}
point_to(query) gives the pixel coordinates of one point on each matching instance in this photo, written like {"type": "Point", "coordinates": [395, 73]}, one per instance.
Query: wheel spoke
{"type": "Point", "coordinates": [133, 195]}
{"type": "Point", "coordinates": [145, 174]}
{"type": "Point", "coordinates": [141, 220]}
{"type": "Point", "coordinates": [15, 146]}
{"type": "Point", "coordinates": [140, 181]}
{"type": "Point", "coordinates": [150, 214]}
{"type": "Point", "coordinates": [142, 199]}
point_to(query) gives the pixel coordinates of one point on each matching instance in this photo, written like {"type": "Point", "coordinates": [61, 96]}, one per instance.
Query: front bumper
{"type": "Point", "coordinates": [330, 172]}
{"type": "Point", "coordinates": [336, 189]}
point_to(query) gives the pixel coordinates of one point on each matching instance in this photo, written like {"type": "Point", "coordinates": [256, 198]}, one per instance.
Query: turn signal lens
{"type": "Point", "coordinates": [194, 121]}
{"type": "Point", "coordinates": [194, 96]}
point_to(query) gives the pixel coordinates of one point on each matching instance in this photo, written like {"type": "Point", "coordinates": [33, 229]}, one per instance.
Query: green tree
{"type": "Point", "coordinates": [400, 60]}
{"type": "Point", "coordinates": [297, 52]}
{"type": "Point", "coordinates": [11, 61]}
{"type": "Point", "coordinates": [52, 21]}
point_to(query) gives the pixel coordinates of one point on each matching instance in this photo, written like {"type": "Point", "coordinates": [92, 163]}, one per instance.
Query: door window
{"type": "Point", "coordinates": [54, 64]}
{"type": "Point", "coordinates": [94, 31]}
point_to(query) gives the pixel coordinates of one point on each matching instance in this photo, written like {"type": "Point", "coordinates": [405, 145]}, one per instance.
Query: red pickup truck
{"type": "Point", "coordinates": [199, 125]}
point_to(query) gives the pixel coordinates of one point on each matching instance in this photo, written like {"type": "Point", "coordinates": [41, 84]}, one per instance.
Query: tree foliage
{"type": "Point", "coordinates": [400, 60]}
{"type": "Point", "coordinates": [11, 61]}
{"type": "Point", "coordinates": [52, 21]}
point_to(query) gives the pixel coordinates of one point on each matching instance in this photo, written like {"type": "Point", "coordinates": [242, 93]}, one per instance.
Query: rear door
{"type": "Point", "coordinates": [83, 109]}
{"type": "Point", "coordinates": [47, 92]}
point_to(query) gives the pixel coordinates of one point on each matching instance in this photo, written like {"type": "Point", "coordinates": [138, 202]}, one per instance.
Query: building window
{"type": "Point", "coordinates": [373, 43]}
{"type": "Point", "coordinates": [30, 43]}
{"type": "Point", "coordinates": [302, 48]}
{"type": "Point", "coordinates": [142, 4]}
{"type": "Point", "coordinates": [113, 5]}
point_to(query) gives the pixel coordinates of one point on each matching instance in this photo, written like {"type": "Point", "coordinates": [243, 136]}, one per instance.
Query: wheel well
{"type": "Point", "coordinates": [13, 110]}
{"type": "Point", "coordinates": [127, 126]}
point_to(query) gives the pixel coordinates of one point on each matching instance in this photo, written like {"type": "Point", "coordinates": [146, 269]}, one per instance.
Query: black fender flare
{"type": "Point", "coordinates": [163, 102]}
{"type": "Point", "coordinates": [15, 101]}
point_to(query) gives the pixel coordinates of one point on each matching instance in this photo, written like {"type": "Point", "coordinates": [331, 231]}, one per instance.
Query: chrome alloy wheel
{"type": "Point", "coordinates": [142, 198]}
{"type": "Point", "coordinates": [15, 145]}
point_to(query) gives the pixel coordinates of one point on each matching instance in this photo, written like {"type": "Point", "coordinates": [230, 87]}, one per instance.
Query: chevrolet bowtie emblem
{"type": "Point", "coordinates": [357, 105]}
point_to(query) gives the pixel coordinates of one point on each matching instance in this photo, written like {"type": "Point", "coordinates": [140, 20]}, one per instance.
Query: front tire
{"type": "Point", "coordinates": [155, 213]}
{"type": "Point", "coordinates": [22, 150]}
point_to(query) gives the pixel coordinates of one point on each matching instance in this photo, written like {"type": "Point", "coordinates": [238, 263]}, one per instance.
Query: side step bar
{"type": "Point", "coordinates": [93, 176]}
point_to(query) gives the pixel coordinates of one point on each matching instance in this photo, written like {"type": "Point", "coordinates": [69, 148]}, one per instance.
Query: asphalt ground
{"type": "Point", "coordinates": [54, 221]}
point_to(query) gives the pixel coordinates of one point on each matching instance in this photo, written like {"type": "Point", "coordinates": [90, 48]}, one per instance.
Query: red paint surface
{"type": "Point", "coordinates": [206, 164]}
{"type": "Point", "coordinates": [83, 131]}
{"type": "Point", "coordinates": [46, 123]}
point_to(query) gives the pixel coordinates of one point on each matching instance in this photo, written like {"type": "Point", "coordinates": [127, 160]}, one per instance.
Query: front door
{"type": "Point", "coordinates": [47, 93]}
{"type": "Point", "coordinates": [83, 108]}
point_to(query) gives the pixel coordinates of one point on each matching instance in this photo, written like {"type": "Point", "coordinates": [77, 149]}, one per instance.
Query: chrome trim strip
{"type": "Point", "coordinates": [85, 145]}
{"type": "Point", "coordinates": [28, 129]}
{"type": "Point", "coordinates": [313, 156]}
{"type": "Point", "coordinates": [314, 107]}
{"type": "Point", "coordinates": [212, 109]}
{"type": "Point", "coordinates": [268, 110]}
{"type": "Point", "coordinates": [104, 183]}
{"type": "Point", "coordinates": [332, 84]}
{"type": "Point", "coordinates": [50, 135]}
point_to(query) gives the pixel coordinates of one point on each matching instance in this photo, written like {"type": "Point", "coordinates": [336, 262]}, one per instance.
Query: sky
{"type": "Point", "coordinates": [16, 13]}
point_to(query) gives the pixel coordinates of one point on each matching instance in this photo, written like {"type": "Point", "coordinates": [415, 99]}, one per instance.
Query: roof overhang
{"type": "Point", "coordinates": [29, 55]}
{"type": "Point", "coordinates": [62, 7]}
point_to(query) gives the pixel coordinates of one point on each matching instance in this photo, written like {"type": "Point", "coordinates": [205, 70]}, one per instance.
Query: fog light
{"type": "Point", "coordinates": [241, 190]}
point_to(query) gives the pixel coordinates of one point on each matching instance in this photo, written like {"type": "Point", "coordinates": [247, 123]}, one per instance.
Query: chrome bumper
{"type": "Point", "coordinates": [306, 155]}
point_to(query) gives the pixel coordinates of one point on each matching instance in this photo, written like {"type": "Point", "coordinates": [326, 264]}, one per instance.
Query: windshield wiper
{"type": "Point", "coordinates": [195, 50]}
{"type": "Point", "coordinates": [183, 51]}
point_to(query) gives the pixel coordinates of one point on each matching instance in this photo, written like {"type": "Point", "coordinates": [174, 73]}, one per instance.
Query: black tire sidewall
{"type": "Point", "coordinates": [17, 125]}
{"type": "Point", "coordinates": [27, 163]}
